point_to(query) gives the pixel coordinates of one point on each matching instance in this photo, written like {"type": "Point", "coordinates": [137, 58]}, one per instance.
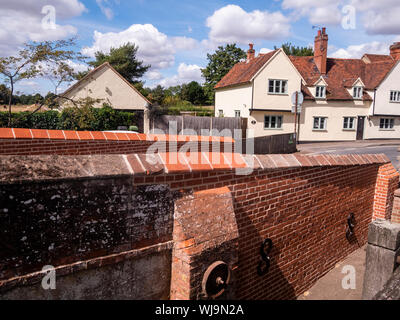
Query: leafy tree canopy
{"type": "Point", "coordinates": [193, 92]}
{"type": "Point", "coordinates": [46, 59]}
{"type": "Point", "coordinates": [124, 60]}
{"type": "Point", "coordinates": [219, 64]}
{"type": "Point", "coordinates": [292, 50]}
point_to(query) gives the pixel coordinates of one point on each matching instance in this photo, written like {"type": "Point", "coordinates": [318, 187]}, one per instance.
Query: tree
{"type": "Point", "coordinates": [124, 60]}
{"type": "Point", "coordinates": [292, 50]}
{"type": "Point", "coordinates": [4, 93]}
{"type": "Point", "coordinates": [59, 73]}
{"type": "Point", "coordinates": [219, 64]}
{"type": "Point", "coordinates": [140, 87]}
{"type": "Point", "coordinates": [193, 92]}
{"type": "Point", "coordinates": [157, 95]}
{"type": "Point", "coordinates": [30, 63]}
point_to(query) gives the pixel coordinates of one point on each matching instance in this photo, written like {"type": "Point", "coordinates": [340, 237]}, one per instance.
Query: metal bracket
{"type": "Point", "coordinates": [350, 226]}
{"type": "Point", "coordinates": [265, 261]}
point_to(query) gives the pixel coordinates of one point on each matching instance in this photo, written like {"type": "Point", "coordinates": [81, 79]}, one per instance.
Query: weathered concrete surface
{"type": "Point", "coordinates": [329, 287]}
{"type": "Point", "coordinates": [391, 290]}
{"type": "Point", "coordinates": [383, 233]}
{"type": "Point", "coordinates": [382, 251]}
{"type": "Point", "coordinates": [55, 223]}
{"type": "Point", "coordinates": [145, 276]}
{"type": "Point", "coordinates": [28, 168]}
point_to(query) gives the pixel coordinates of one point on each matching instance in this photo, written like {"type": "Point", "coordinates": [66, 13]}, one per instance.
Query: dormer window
{"type": "Point", "coordinates": [320, 92]}
{"type": "Point", "coordinates": [357, 92]}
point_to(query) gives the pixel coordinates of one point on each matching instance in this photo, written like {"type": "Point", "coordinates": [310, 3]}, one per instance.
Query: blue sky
{"type": "Point", "coordinates": [175, 36]}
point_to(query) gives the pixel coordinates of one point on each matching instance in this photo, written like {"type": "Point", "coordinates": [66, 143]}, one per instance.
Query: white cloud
{"type": "Point", "coordinates": [317, 11]}
{"type": "Point", "coordinates": [153, 75]}
{"type": "Point", "coordinates": [186, 73]}
{"type": "Point", "coordinates": [379, 17]}
{"type": "Point", "coordinates": [265, 50]}
{"type": "Point", "coordinates": [155, 47]}
{"type": "Point", "coordinates": [104, 7]}
{"type": "Point", "coordinates": [21, 21]}
{"type": "Point", "coordinates": [357, 51]}
{"type": "Point", "coordinates": [232, 24]}
{"type": "Point", "coordinates": [27, 86]}
{"type": "Point", "coordinates": [184, 43]}
{"type": "Point", "coordinates": [77, 66]}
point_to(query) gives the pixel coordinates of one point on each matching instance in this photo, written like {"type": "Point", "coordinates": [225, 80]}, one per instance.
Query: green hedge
{"type": "Point", "coordinates": [85, 118]}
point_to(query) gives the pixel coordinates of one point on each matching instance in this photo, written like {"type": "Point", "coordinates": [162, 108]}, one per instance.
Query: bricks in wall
{"type": "Point", "coordinates": [396, 207]}
{"type": "Point", "coordinates": [386, 184]}
{"type": "Point", "coordinates": [16, 141]}
{"type": "Point", "coordinates": [205, 230]}
{"type": "Point", "coordinates": [303, 210]}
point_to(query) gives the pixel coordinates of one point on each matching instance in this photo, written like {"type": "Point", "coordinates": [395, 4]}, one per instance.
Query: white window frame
{"type": "Point", "coordinates": [320, 92]}
{"type": "Point", "coordinates": [319, 123]}
{"type": "Point", "coordinates": [277, 86]}
{"type": "Point", "coordinates": [349, 125]}
{"type": "Point", "coordinates": [388, 124]}
{"type": "Point", "coordinates": [277, 122]}
{"type": "Point", "coordinates": [237, 113]}
{"type": "Point", "coordinates": [220, 113]}
{"type": "Point", "coordinates": [394, 96]}
{"type": "Point", "coordinates": [358, 92]}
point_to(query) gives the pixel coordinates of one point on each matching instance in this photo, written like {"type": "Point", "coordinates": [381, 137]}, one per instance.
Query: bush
{"type": "Point", "coordinates": [84, 118]}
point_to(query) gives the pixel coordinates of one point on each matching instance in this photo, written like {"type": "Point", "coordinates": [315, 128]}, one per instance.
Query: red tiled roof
{"type": "Point", "coordinates": [243, 72]}
{"type": "Point", "coordinates": [341, 73]}
{"type": "Point", "coordinates": [377, 57]}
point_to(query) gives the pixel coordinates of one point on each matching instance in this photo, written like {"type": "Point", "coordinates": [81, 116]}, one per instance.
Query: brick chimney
{"type": "Point", "coordinates": [251, 52]}
{"type": "Point", "coordinates": [321, 50]}
{"type": "Point", "coordinates": [395, 50]}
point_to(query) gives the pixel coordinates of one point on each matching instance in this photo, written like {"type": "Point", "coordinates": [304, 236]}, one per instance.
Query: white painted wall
{"type": "Point", "coordinates": [374, 132]}
{"type": "Point", "coordinates": [382, 97]}
{"type": "Point", "coordinates": [279, 68]}
{"type": "Point", "coordinates": [233, 98]}
{"type": "Point", "coordinates": [334, 112]}
{"type": "Point", "coordinates": [258, 127]}
{"type": "Point", "coordinates": [105, 84]}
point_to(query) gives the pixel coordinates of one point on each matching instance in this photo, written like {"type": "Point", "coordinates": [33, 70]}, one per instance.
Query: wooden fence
{"type": "Point", "coordinates": [276, 144]}
{"type": "Point", "coordinates": [200, 125]}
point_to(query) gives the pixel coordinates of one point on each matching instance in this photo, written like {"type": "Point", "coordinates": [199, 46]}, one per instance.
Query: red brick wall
{"type": "Point", "coordinates": [396, 207]}
{"type": "Point", "coordinates": [300, 202]}
{"type": "Point", "coordinates": [386, 184]}
{"type": "Point", "coordinates": [303, 210]}
{"type": "Point", "coordinates": [15, 141]}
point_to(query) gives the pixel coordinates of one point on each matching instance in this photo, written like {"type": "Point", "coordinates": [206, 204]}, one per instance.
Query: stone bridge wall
{"type": "Point", "coordinates": [106, 222]}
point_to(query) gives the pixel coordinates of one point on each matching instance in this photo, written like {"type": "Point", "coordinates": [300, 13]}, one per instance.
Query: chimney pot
{"type": "Point", "coordinates": [395, 50]}
{"type": "Point", "coordinates": [251, 52]}
{"type": "Point", "coordinates": [321, 50]}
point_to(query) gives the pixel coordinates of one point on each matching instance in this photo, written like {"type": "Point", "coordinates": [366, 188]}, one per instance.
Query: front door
{"type": "Point", "coordinates": [360, 128]}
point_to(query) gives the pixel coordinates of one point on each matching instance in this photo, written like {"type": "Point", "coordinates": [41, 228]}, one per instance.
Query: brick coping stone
{"type": "Point", "coordinates": [49, 167]}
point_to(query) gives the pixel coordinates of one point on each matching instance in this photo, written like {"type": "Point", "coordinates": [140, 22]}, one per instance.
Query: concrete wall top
{"type": "Point", "coordinates": [45, 167]}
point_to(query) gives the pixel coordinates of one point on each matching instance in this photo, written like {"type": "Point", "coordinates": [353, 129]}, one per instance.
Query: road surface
{"type": "Point", "coordinates": [391, 150]}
